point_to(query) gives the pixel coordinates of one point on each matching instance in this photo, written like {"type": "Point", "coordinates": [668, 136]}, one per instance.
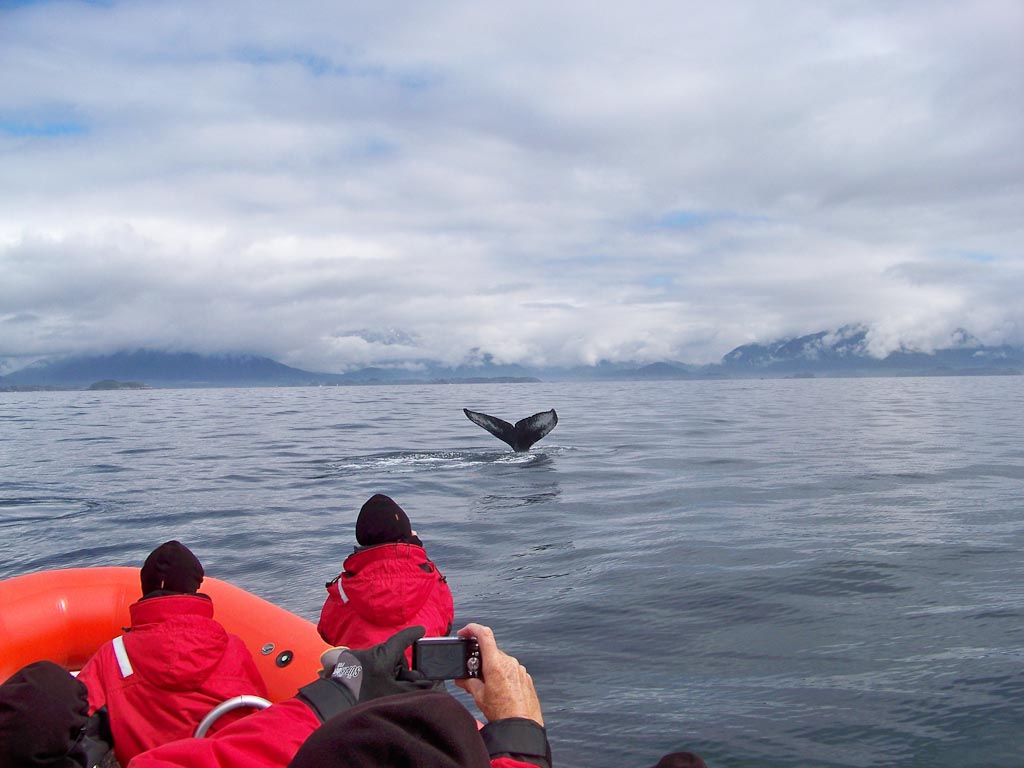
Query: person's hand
{"type": "Point", "coordinates": [381, 670]}
{"type": "Point", "coordinates": [507, 688]}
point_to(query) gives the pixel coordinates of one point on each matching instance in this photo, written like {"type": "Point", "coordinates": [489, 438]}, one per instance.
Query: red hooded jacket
{"type": "Point", "coordinates": [389, 587]}
{"type": "Point", "coordinates": [181, 664]}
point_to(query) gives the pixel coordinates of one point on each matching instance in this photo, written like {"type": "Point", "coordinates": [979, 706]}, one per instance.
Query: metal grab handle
{"type": "Point", "coordinates": [228, 705]}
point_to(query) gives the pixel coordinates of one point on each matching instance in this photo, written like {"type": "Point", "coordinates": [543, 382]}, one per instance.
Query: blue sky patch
{"type": "Point", "coordinates": [10, 5]}
{"type": "Point", "coordinates": [659, 281]}
{"type": "Point", "coordinates": [313, 63]}
{"type": "Point", "coordinates": [323, 66]}
{"type": "Point", "coordinates": [42, 128]}
{"type": "Point", "coordinates": [417, 82]}
{"type": "Point", "coordinates": [685, 219]}
{"type": "Point", "coordinates": [978, 257]}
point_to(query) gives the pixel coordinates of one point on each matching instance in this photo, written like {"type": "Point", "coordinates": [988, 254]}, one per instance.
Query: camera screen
{"type": "Point", "coordinates": [441, 661]}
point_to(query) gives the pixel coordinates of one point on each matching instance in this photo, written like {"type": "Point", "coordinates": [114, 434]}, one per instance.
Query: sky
{"type": "Point", "coordinates": [341, 184]}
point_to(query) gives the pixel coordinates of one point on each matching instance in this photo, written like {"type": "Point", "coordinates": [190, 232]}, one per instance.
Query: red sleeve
{"type": "Point", "coordinates": [90, 677]}
{"type": "Point", "coordinates": [267, 739]}
{"type": "Point", "coordinates": [332, 615]}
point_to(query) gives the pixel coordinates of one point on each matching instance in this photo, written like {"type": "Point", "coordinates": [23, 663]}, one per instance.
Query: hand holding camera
{"type": "Point", "coordinates": [498, 683]}
{"type": "Point", "coordinates": [505, 689]}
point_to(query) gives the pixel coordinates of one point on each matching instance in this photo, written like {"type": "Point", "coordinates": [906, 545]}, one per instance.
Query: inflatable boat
{"type": "Point", "coordinates": [65, 615]}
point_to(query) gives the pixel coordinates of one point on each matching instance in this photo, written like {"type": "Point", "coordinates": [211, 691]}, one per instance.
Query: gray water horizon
{"type": "Point", "coordinates": [813, 572]}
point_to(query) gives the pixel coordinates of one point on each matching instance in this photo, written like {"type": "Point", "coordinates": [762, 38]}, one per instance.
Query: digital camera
{"type": "Point", "coordinates": [447, 658]}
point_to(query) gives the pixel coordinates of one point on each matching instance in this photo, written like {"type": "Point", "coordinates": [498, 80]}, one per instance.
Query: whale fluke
{"type": "Point", "coordinates": [526, 431]}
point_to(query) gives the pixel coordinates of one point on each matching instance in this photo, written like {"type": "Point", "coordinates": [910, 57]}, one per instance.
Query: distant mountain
{"type": "Point", "coordinates": [165, 369]}
{"type": "Point", "coordinates": [186, 369]}
{"type": "Point", "coordinates": [110, 384]}
{"type": "Point", "coordinates": [844, 352]}
{"type": "Point", "coordinates": [663, 371]}
{"type": "Point", "coordinates": [827, 353]}
{"type": "Point", "coordinates": [431, 375]}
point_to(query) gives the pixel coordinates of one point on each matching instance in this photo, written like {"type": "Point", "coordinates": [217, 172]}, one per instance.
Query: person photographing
{"type": "Point", "coordinates": [430, 729]}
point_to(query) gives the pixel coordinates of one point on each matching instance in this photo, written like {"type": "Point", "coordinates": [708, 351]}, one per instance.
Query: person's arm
{"type": "Point", "coordinates": [507, 698]}
{"type": "Point", "coordinates": [334, 613]}
{"type": "Point", "coordinates": [272, 736]}
{"type": "Point", "coordinates": [90, 676]}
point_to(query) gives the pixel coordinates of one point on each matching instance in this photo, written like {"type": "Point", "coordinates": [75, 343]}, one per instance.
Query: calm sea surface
{"type": "Point", "coordinates": [769, 573]}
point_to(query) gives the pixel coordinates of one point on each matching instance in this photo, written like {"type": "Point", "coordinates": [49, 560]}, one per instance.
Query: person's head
{"type": "Point", "coordinates": [43, 711]}
{"type": "Point", "coordinates": [428, 729]}
{"type": "Point", "coordinates": [681, 760]}
{"type": "Point", "coordinates": [171, 568]}
{"type": "Point", "coordinates": [382, 521]}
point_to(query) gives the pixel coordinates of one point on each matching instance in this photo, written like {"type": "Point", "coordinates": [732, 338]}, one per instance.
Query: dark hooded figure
{"type": "Point", "coordinates": [423, 729]}
{"type": "Point", "coordinates": [44, 720]}
{"type": "Point", "coordinates": [173, 665]}
{"type": "Point", "coordinates": [681, 760]}
{"type": "Point", "coordinates": [388, 584]}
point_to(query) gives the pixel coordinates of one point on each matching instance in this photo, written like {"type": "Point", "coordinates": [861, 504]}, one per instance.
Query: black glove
{"type": "Point", "coordinates": [370, 673]}
{"type": "Point", "coordinates": [350, 677]}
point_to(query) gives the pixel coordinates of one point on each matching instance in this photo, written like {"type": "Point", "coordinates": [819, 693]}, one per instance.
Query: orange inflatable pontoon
{"type": "Point", "coordinates": [64, 616]}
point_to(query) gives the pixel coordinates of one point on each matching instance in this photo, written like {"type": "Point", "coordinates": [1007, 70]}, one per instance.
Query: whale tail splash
{"type": "Point", "coordinates": [520, 436]}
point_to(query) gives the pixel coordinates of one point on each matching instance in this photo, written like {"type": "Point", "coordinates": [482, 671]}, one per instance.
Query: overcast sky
{"type": "Point", "coordinates": [335, 184]}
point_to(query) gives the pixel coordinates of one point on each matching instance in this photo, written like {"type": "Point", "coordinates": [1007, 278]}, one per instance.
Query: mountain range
{"type": "Point", "coordinates": [827, 353]}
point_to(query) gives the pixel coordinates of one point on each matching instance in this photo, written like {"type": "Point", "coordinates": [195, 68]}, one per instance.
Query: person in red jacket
{"type": "Point", "coordinates": [389, 583]}
{"type": "Point", "coordinates": [368, 703]}
{"type": "Point", "coordinates": [173, 665]}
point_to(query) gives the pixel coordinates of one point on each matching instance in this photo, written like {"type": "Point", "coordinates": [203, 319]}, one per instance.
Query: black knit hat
{"type": "Point", "coordinates": [382, 521]}
{"type": "Point", "coordinates": [171, 567]}
{"type": "Point", "coordinates": [681, 760]}
{"type": "Point", "coordinates": [427, 729]}
{"type": "Point", "coordinates": [42, 712]}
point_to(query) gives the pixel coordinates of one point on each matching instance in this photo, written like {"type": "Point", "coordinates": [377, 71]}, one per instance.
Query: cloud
{"type": "Point", "coordinates": [549, 183]}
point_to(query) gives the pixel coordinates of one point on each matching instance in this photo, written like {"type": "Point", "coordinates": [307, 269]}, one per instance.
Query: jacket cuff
{"type": "Point", "coordinates": [519, 738]}
{"type": "Point", "coordinates": [326, 698]}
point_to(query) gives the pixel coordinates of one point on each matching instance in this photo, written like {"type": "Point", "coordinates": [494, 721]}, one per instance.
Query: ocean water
{"type": "Point", "coordinates": [769, 573]}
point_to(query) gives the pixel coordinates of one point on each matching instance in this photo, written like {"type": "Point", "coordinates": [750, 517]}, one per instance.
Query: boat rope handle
{"type": "Point", "coordinates": [257, 702]}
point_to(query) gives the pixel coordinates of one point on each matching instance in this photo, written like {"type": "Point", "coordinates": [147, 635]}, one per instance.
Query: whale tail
{"type": "Point", "coordinates": [522, 434]}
